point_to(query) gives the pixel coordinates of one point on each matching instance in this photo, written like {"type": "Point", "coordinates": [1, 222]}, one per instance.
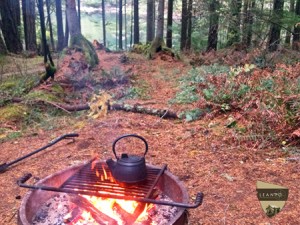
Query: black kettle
{"type": "Point", "coordinates": [129, 168]}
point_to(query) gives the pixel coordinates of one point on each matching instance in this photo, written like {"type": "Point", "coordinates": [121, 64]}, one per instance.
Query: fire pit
{"type": "Point", "coordinates": [163, 180]}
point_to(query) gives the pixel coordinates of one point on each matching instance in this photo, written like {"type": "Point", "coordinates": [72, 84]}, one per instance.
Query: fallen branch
{"type": "Point", "coordinates": [136, 108]}
{"type": "Point", "coordinates": [140, 109]}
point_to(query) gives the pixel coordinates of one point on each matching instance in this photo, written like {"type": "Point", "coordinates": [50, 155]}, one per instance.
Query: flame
{"type": "Point", "coordinates": [97, 173]}
{"type": "Point", "coordinates": [86, 215]}
{"type": "Point", "coordinates": [128, 206]}
{"type": "Point", "coordinates": [104, 171]}
{"type": "Point", "coordinates": [106, 205]}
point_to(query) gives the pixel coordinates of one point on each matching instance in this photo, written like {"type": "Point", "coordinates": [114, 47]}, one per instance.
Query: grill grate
{"type": "Point", "coordinates": [97, 180]}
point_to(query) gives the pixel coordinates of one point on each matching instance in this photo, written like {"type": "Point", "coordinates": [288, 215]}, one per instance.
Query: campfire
{"type": "Point", "coordinates": [91, 194]}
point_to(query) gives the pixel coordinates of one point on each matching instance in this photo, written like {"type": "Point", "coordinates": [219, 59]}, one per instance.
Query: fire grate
{"type": "Point", "coordinates": [95, 179]}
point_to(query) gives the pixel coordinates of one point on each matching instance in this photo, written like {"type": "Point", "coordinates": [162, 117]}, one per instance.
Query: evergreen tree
{"type": "Point", "coordinates": [233, 35]}
{"type": "Point", "coordinates": [189, 26]}
{"type": "Point", "coordinates": [169, 23]}
{"type": "Point", "coordinates": [150, 20]}
{"type": "Point", "coordinates": [296, 37]}
{"type": "Point", "coordinates": [275, 29]}
{"type": "Point", "coordinates": [59, 22]}
{"type": "Point", "coordinates": [120, 24]}
{"type": "Point", "coordinates": [28, 10]}
{"type": "Point", "coordinates": [248, 21]}
{"type": "Point", "coordinates": [103, 23]}
{"type": "Point", "coordinates": [9, 10]}
{"type": "Point", "coordinates": [136, 28]}
{"type": "Point", "coordinates": [213, 25]}
{"type": "Point", "coordinates": [184, 25]}
{"type": "Point", "coordinates": [50, 23]}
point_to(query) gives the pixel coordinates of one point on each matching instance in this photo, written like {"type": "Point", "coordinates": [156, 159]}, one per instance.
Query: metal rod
{"type": "Point", "coordinates": [148, 195]}
{"type": "Point", "coordinates": [4, 166]}
{"type": "Point", "coordinates": [198, 201]}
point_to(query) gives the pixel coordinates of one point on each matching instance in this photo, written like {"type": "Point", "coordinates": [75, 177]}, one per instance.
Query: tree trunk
{"type": "Point", "coordinates": [248, 21]}
{"type": "Point", "coordinates": [50, 23]}
{"type": "Point", "coordinates": [160, 19]}
{"type": "Point", "coordinates": [10, 25]}
{"type": "Point", "coordinates": [150, 20]}
{"type": "Point", "coordinates": [28, 10]}
{"type": "Point", "coordinates": [103, 23]}
{"type": "Point", "coordinates": [120, 24]}
{"type": "Point", "coordinates": [275, 29]}
{"type": "Point", "coordinates": [184, 21]}
{"type": "Point", "coordinates": [169, 24]}
{"type": "Point", "coordinates": [131, 23]}
{"type": "Point", "coordinates": [3, 50]}
{"type": "Point", "coordinates": [296, 37]}
{"type": "Point", "coordinates": [158, 41]}
{"type": "Point", "coordinates": [213, 25]}
{"type": "Point", "coordinates": [189, 26]}
{"type": "Point", "coordinates": [43, 28]}
{"type": "Point", "coordinates": [79, 14]}
{"type": "Point", "coordinates": [233, 34]}
{"type": "Point", "coordinates": [73, 21]}
{"type": "Point", "coordinates": [290, 28]}
{"type": "Point", "coordinates": [59, 22]}
{"type": "Point", "coordinates": [125, 21]}
{"type": "Point", "coordinates": [136, 29]}
{"type": "Point", "coordinates": [67, 32]}
{"type": "Point", "coordinates": [76, 37]}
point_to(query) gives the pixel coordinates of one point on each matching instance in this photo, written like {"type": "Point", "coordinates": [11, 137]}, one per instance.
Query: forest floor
{"type": "Point", "coordinates": [202, 153]}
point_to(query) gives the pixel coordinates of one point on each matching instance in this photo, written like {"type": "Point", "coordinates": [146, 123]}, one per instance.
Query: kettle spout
{"type": "Point", "coordinates": [111, 164]}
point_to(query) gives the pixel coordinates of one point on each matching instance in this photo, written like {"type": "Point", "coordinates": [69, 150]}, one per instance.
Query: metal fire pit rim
{"type": "Point", "coordinates": [22, 219]}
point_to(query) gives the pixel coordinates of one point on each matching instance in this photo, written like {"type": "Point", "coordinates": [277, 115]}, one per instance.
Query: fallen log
{"type": "Point", "coordinates": [136, 108]}
{"type": "Point", "coordinates": [141, 109]}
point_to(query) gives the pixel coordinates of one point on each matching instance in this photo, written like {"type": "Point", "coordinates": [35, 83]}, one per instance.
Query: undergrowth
{"type": "Point", "coordinates": [268, 99]}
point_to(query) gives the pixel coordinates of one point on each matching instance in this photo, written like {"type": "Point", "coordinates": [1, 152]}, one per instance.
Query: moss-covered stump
{"type": "Point", "coordinates": [158, 45]}
{"type": "Point", "coordinates": [79, 41]}
{"type": "Point", "coordinates": [140, 48]}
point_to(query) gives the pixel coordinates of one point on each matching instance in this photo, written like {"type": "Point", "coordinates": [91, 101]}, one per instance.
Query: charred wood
{"type": "Point", "coordinates": [73, 215]}
{"type": "Point", "coordinates": [99, 217]}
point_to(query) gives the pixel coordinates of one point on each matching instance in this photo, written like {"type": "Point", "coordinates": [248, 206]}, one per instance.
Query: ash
{"type": "Point", "coordinates": [55, 209]}
{"type": "Point", "coordinates": [162, 214]}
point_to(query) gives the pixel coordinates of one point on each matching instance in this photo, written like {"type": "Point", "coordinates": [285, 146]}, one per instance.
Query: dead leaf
{"type": "Point", "coordinates": [99, 105]}
{"type": "Point", "coordinates": [227, 176]}
{"type": "Point", "coordinates": [296, 133]}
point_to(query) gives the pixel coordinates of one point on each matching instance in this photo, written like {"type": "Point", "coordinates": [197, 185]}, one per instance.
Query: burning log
{"type": "Point", "coordinates": [70, 217]}
{"type": "Point", "coordinates": [99, 217]}
{"type": "Point", "coordinates": [127, 217]}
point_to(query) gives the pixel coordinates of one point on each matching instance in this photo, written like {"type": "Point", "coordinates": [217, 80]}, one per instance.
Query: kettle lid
{"type": "Point", "coordinates": [132, 159]}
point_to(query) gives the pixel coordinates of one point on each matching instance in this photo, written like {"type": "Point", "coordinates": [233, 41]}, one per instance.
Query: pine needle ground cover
{"type": "Point", "coordinates": [239, 126]}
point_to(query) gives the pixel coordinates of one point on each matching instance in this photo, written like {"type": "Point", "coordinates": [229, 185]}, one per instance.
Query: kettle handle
{"type": "Point", "coordinates": [129, 135]}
